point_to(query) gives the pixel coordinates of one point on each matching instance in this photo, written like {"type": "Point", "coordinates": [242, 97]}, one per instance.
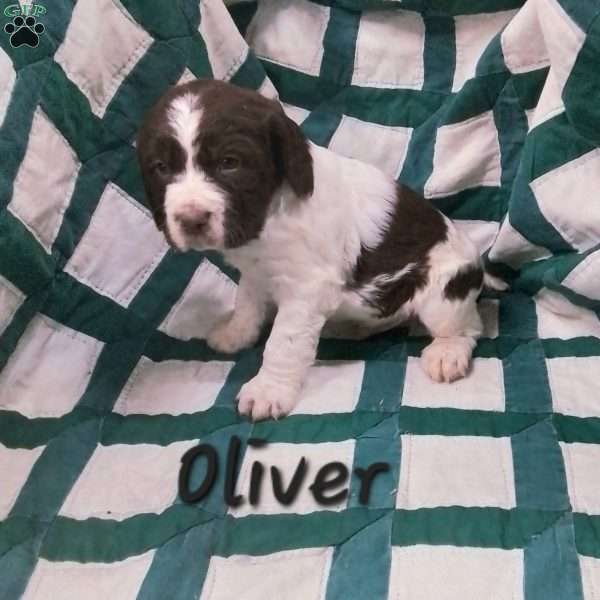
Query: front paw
{"type": "Point", "coordinates": [232, 336]}
{"type": "Point", "coordinates": [261, 398]}
{"type": "Point", "coordinates": [447, 359]}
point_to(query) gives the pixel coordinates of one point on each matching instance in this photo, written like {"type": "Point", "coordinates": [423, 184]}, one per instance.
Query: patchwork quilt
{"type": "Point", "coordinates": [491, 108]}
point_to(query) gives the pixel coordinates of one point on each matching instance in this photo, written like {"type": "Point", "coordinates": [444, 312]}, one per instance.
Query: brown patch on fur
{"type": "Point", "coordinates": [241, 125]}
{"type": "Point", "coordinates": [466, 280]}
{"type": "Point", "coordinates": [415, 228]}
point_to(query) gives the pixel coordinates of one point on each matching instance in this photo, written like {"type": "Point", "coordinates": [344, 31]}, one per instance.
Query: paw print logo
{"type": "Point", "coordinates": [24, 32]}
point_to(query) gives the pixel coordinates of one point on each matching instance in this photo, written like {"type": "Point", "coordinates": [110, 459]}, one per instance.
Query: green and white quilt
{"type": "Point", "coordinates": [491, 108]}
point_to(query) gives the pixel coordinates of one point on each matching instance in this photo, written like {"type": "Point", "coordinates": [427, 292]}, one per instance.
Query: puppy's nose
{"type": "Point", "coordinates": [194, 221]}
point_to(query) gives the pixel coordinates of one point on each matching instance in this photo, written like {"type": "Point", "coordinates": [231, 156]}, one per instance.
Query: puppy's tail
{"type": "Point", "coordinates": [494, 283]}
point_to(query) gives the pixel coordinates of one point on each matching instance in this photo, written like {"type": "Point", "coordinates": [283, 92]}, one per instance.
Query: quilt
{"type": "Point", "coordinates": [490, 108]}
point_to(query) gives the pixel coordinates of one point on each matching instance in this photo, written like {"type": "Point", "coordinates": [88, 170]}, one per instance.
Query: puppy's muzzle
{"type": "Point", "coordinates": [193, 221]}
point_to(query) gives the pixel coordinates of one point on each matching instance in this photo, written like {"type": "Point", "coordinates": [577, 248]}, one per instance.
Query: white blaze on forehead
{"type": "Point", "coordinates": [191, 190]}
{"type": "Point", "coordinates": [184, 118]}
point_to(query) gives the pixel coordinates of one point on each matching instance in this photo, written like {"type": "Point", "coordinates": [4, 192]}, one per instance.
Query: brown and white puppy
{"type": "Point", "coordinates": [321, 237]}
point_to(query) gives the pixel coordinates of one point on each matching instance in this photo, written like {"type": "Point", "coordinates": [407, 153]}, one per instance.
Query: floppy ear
{"type": "Point", "coordinates": [158, 213]}
{"type": "Point", "coordinates": [291, 153]}
{"type": "Point", "coordinates": [152, 189]}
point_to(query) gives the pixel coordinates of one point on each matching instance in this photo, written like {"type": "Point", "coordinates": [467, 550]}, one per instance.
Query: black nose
{"type": "Point", "coordinates": [193, 222]}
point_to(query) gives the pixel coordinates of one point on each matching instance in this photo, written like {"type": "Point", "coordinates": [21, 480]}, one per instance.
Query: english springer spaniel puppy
{"type": "Point", "coordinates": [320, 237]}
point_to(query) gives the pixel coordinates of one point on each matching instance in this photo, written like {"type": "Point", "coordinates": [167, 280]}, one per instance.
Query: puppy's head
{"type": "Point", "coordinates": [212, 155]}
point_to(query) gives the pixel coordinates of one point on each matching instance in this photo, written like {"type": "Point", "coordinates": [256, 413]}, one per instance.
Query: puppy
{"type": "Point", "coordinates": [320, 237]}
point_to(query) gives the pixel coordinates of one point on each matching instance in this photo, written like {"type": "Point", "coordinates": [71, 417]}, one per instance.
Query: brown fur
{"type": "Point", "coordinates": [463, 282]}
{"type": "Point", "coordinates": [416, 227]}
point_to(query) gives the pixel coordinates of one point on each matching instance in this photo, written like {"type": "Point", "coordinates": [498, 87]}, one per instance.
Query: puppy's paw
{"type": "Point", "coordinates": [447, 359]}
{"type": "Point", "coordinates": [232, 336]}
{"type": "Point", "coordinates": [261, 399]}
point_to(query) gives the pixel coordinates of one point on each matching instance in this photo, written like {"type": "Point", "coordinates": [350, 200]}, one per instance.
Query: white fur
{"type": "Point", "coordinates": [243, 327]}
{"type": "Point", "coordinates": [302, 261]}
{"type": "Point", "coordinates": [184, 115]}
{"type": "Point", "coordinates": [372, 287]}
{"type": "Point", "coordinates": [447, 359]}
{"type": "Point", "coordinates": [191, 190]}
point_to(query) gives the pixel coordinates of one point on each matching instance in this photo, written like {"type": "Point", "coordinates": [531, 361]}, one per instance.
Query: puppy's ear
{"type": "Point", "coordinates": [291, 153]}
{"type": "Point", "coordinates": [152, 189]}
{"type": "Point", "coordinates": [153, 197]}
{"type": "Point", "coordinates": [159, 219]}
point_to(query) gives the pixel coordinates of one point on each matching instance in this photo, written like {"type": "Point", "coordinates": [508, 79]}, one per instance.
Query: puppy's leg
{"type": "Point", "coordinates": [242, 328]}
{"type": "Point", "coordinates": [455, 326]}
{"type": "Point", "coordinates": [289, 352]}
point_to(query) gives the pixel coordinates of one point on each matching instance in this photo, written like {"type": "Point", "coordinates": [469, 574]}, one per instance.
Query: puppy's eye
{"type": "Point", "coordinates": [228, 164]}
{"type": "Point", "coordinates": [159, 168]}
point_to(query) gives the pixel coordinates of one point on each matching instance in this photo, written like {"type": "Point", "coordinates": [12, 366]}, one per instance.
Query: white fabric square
{"type": "Point", "coordinates": [583, 476]}
{"type": "Point", "coordinates": [473, 34]}
{"type": "Point", "coordinates": [451, 573]}
{"type": "Point", "coordinates": [225, 46]}
{"type": "Point", "coordinates": [331, 387]}
{"type": "Point", "coordinates": [123, 480]}
{"type": "Point", "coordinates": [96, 581]}
{"type": "Point", "coordinates": [482, 389]}
{"type": "Point", "coordinates": [49, 369]}
{"type": "Point", "coordinates": [268, 90]}
{"type": "Point", "coordinates": [574, 385]}
{"type": "Point", "coordinates": [15, 466]}
{"type": "Point", "coordinates": [286, 458]}
{"type": "Point", "coordinates": [41, 195]}
{"type": "Point", "coordinates": [389, 50]}
{"type": "Point", "coordinates": [101, 47]}
{"type": "Point", "coordinates": [590, 577]}
{"type": "Point", "coordinates": [513, 249]}
{"type": "Point", "coordinates": [11, 299]}
{"type": "Point", "coordinates": [523, 45]}
{"type": "Point", "coordinates": [7, 82]}
{"type": "Point", "coordinates": [466, 155]}
{"type": "Point", "coordinates": [382, 146]}
{"type": "Point", "coordinates": [119, 250]}
{"type": "Point", "coordinates": [559, 318]}
{"type": "Point", "coordinates": [481, 233]}
{"type": "Point", "coordinates": [438, 470]}
{"type": "Point", "coordinates": [172, 387]}
{"type": "Point", "coordinates": [208, 298]}
{"type": "Point", "coordinates": [584, 279]}
{"type": "Point", "coordinates": [301, 573]}
{"type": "Point", "coordinates": [563, 39]}
{"type": "Point", "coordinates": [565, 327]}
{"type": "Point", "coordinates": [571, 183]}
{"type": "Point", "coordinates": [186, 77]}
{"type": "Point", "coordinates": [289, 33]}
{"type": "Point", "coordinates": [295, 113]}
